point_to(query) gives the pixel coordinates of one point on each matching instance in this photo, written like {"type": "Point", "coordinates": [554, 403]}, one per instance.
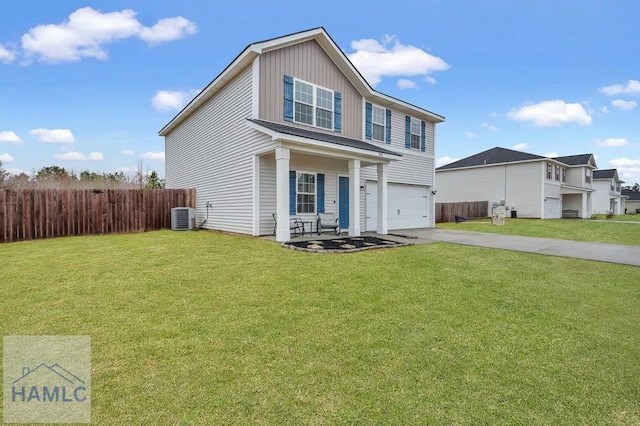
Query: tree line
{"type": "Point", "coordinates": [59, 177]}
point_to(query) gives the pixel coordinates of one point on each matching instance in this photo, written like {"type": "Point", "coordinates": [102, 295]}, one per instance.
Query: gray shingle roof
{"type": "Point", "coordinates": [633, 195]}
{"type": "Point", "coordinates": [324, 137]}
{"type": "Point", "coordinates": [495, 155]}
{"type": "Point", "coordinates": [575, 160]}
{"type": "Point", "coordinates": [604, 174]}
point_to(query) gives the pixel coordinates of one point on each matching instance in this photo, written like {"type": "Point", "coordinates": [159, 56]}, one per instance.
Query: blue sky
{"type": "Point", "coordinates": [87, 85]}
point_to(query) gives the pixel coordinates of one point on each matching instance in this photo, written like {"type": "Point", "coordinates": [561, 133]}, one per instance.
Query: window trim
{"type": "Point", "coordinates": [587, 175]}
{"type": "Point", "coordinates": [549, 171]}
{"type": "Point", "coordinates": [314, 193]}
{"type": "Point", "coordinates": [564, 175]}
{"type": "Point", "coordinates": [314, 106]}
{"type": "Point", "coordinates": [556, 173]}
{"type": "Point", "coordinates": [383, 124]}
{"type": "Point", "coordinates": [411, 133]}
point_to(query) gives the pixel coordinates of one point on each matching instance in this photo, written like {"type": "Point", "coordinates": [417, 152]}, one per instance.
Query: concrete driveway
{"type": "Point", "coordinates": [613, 253]}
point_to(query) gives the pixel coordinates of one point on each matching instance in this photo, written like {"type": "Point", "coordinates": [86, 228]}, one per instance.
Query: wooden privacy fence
{"type": "Point", "coordinates": [446, 212]}
{"type": "Point", "coordinates": [29, 214]}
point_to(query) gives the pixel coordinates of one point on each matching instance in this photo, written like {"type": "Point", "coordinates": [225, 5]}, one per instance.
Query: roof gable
{"type": "Point", "coordinates": [319, 34]}
{"type": "Point", "coordinates": [492, 156]}
{"type": "Point", "coordinates": [578, 160]}
{"type": "Point", "coordinates": [605, 174]}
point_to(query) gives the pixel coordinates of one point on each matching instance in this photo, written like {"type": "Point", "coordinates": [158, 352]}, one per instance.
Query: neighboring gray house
{"type": "Point", "coordinates": [533, 185]}
{"type": "Point", "coordinates": [632, 200]}
{"type": "Point", "coordinates": [291, 127]}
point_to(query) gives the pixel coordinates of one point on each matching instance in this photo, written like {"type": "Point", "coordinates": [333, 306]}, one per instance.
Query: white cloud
{"type": "Point", "coordinates": [430, 79]}
{"type": "Point", "coordinates": [628, 169]}
{"type": "Point", "coordinates": [10, 137]}
{"type": "Point", "coordinates": [53, 135]}
{"type": "Point", "coordinates": [128, 169]}
{"type": "Point", "coordinates": [605, 109]}
{"type": "Point", "coordinates": [552, 113]}
{"type": "Point", "coordinates": [489, 127]}
{"type": "Point", "coordinates": [624, 105]}
{"type": "Point", "coordinates": [6, 158]}
{"type": "Point", "coordinates": [168, 29]}
{"type": "Point", "coordinates": [445, 160]}
{"type": "Point", "coordinates": [404, 83]}
{"type": "Point", "coordinates": [78, 156]}
{"type": "Point", "coordinates": [87, 30]}
{"type": "Point", "coordinates": [14, 171]}
{"type": "Point", "coordinates": [550, 155]}
{"type": "Point", "coordinates": [471, 135]}
{"type": "Point", "coordinates": [167, 100]}
{"type": "Point", "coordinates": [625, 162]}
{"type": "Point", "coordinates": [520, 146]}
{"type": "Point", "coordinates": [612, 143]}
{"type": "Point", "coordinates": [392, 59]}
{"type": "Point", "coordinates": [152, 155]}
{"type": "Point", "coordinates": [6, 56]}
{"type": "Point", "coordinates": [127, 152]}
{"type": "Point", "coordinates": [631, 87]}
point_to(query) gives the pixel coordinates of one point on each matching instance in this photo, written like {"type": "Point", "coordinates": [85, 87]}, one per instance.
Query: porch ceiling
{"type": "Point", "coordinates": [568, 190]}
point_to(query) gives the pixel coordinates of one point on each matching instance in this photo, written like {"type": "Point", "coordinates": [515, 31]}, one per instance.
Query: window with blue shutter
{"type": "Point", "coordinates": [320, 191]}
{"type": "Point", "coordinates": [367, 120]}
{"type": "Point", "coordinates": [388, 124]}
{"type": "Point", "coordinates": [423, 136]}
{"type": "Point", "coordinates": [288, 98]}
{"type": "Point", "coordinates": [292, 192]}
{"type": "Point", "coordinates": [337, 112]}
{"type": "Point", "coordinates": [407, 132]}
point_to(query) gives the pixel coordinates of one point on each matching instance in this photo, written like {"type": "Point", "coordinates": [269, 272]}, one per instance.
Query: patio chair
{"type": "Point", "coordinates": [328, 221]}
{"type": "Point", "coordinates": [295, 225]}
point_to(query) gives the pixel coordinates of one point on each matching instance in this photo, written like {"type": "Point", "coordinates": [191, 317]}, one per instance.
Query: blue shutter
{"type": "Point", "coordinates": [407, 132]}
{"type": "Point", "coordinates": [292, 192]}
{"type": "Point", "coordinates": [388, 126]}
{"type": "Point", "coordinates": [367, 121]}
{"type": "Point", "coordinates": [423, 136]}
{"type": "Point", "coordinates": [320, 192]}
{"type": "Point", "coordinates": [337, 112]}
{"type": "Point", "coordinates": [288, 98]}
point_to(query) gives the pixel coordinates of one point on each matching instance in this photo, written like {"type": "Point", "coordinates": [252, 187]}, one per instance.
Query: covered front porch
{"type": "Point", "coordinates": [576, 202]}
{"type": "Point", "coordinates": [307, 173]}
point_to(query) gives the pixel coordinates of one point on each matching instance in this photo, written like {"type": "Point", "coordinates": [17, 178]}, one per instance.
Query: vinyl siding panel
{"type": "Point", "coordinates": [306, 61]}
{"type": "Point", "coordinates": [213, 151]}
{"type": "Point", "coordinates": [518, 184]}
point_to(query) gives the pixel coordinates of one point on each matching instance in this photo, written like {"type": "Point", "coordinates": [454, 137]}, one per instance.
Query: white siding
{"type": "Point", "coordinates": [518, 184]}
{"type": "Point", "coordinates": [213, 151]}
{"type": "Point", "coordinates": [601, 197]}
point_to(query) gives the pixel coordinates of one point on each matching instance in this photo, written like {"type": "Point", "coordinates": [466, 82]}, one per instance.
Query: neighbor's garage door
{"type": "Point", "coordinates": [408, 206]}
{"type": "Point", "coordinates": [552, 208]}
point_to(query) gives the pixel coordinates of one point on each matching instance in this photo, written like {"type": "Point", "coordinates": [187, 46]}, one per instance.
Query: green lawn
{"type": "Point", "coordinates": [208, 328]}
{"type": "Point", "coordinates": [564, 229]}
{"type": "Point", "coordinates": [624, 217]}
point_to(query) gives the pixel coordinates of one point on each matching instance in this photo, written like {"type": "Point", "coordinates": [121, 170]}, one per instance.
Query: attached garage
{"type": "Point", "coordinates": [408, 206]}
{"type": "Point", "coordinates": [552, 208]}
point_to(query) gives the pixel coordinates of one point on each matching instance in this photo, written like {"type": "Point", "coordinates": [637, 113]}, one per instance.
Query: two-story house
{"type": "Point", "coordinates": [291, 127]}
{"type": "Point", "coordinates": [608, 197]}
{"type": "Point", "coordinates": [533, 185]}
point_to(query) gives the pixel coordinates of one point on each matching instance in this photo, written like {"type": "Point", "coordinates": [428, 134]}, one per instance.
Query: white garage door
{"type": "Point", "coordinates": [408, 206]}
{"type": "Point", "coordinates": [552, 208]}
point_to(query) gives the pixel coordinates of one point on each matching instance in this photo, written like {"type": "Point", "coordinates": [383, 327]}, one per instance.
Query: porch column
{"type": "Point", "coordinates": [585, 214]}
{"type": "Point", "coordinates": [354, 198]}
{"type": "Point", "coordinates": [282, 194]}
{"type": "Point", "coordinates": [382, 228]}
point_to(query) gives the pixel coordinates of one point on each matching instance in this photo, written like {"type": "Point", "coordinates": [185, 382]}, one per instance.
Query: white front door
{"type": "Point", "coordinates": [408, 206]}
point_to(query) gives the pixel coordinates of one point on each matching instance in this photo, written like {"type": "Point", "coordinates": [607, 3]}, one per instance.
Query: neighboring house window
{"type": "Point", "coordinates": [618, 187]}
{"type": "Point", "coordinates": [564, 174]}
{"type": "Point", "coordinates": [549, 171]}
{"type": "Point", "coordinates": [306, 193]}
{"type": "Point", "coordinates": [613, 185]}
{"type": "Point", "coordinates": [313, 105]}
{"type": "Point", "coordinates": [415, 133]}
{"type": "Point", "coordinates": [378, 124]}
{"type": "Point", "coordinates": [587, 175]}
{"type": "Point", "coordinates": [557, 173]}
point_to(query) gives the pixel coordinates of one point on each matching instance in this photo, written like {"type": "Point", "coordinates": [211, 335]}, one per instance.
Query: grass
{"type": "Point", "coordinates": [564, 229]}
{"type": "Point", "coordinates": [208, 328]}
{"type": "Point", "coordinates": [634, 217]}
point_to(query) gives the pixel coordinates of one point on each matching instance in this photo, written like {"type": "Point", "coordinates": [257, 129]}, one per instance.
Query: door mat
{"type": "Point", "coordinates": [343, 245]}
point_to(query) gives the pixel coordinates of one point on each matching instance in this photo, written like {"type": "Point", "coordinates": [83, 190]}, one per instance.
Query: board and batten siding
{"type": "Point", "coordinates": [520, 185]}
{"type": "Point", "coordinates": [332, 169]}
{"type": "Point", "coordinates": [213, 151]}
{"type": "Point", "coordinates": [309, 62]}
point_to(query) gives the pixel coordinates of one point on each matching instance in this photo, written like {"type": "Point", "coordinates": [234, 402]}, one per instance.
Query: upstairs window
{"type": "Point", "coordinates": [549, 171]}
{"type": "Point", "coordinates": [618, 187]}
{"type": "Point", "coordinates": [587, 176]}
{"type": "Point", "coordinates": [564, 174]}
{"type": "Point", "coordinates": [378, 123]}
{"type": "Point", "coordinates": [313, 105]}
{"type": "Point", "coordinates": [613, 185]}
{"type": "Point", "coordinates": [415, 133]}
{"type": "Point", "coordinates": [557, 173]}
